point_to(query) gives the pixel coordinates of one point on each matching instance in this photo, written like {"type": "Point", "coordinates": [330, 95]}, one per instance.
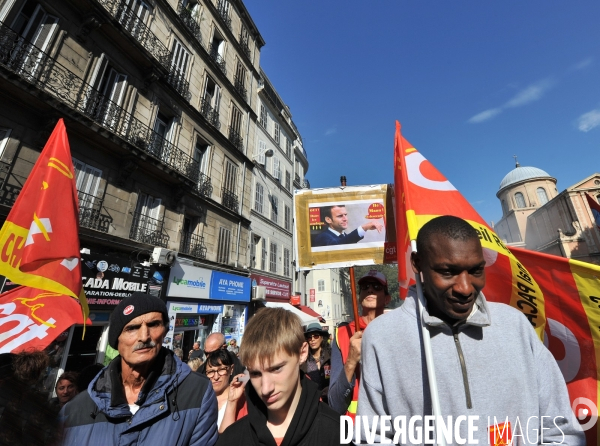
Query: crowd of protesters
{"type": "Point", "coordinates": [301, 381]}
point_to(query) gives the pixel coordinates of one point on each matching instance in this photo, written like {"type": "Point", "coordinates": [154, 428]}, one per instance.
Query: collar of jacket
{"type": "Point", "coordinates": [108, 392]}
{"type": "Point", "coordinates": [302, 421]}
{"type": "Point", "coordinates": [479, 318]}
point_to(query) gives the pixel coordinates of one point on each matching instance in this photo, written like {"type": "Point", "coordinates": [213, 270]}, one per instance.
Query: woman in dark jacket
{"type": "Point", "coordinates": [318, 364]}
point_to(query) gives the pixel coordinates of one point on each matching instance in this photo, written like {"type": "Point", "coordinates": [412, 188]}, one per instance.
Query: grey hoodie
{"type": "Point", "coordinates": [507, 372]}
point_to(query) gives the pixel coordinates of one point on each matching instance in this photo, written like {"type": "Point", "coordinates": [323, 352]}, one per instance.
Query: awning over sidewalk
{"type": "Point", "coordinates": [311, 312]}
{"type": "Point", "coordinates": [304, 317]}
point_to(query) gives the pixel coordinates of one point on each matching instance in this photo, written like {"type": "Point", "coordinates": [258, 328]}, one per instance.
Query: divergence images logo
{"type": "Point", "coordinates": [583, 409]}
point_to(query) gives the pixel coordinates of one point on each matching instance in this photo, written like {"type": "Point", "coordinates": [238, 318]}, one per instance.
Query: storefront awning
{"type": "Point", "coordinates": [304, 317]}
{"type": "Point", "coordinates": [310, 312]}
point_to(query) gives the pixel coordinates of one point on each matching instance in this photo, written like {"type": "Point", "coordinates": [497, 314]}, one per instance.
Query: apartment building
{"type": "Point", "coordinates": [159, 98]}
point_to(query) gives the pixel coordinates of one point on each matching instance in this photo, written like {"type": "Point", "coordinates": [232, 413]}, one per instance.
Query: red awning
{"type": "Point", "coordinates": [311, 312]}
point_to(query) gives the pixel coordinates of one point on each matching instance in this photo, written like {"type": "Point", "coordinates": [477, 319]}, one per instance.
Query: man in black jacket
{"type": "Point", "coordinates": [283, 405]}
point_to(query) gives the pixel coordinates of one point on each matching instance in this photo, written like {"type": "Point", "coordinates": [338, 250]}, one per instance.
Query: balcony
{"type": "Point", "coordinates": [230, 200]}
{"type": "Point", "coordinates": [223, 11]}
{"type": "Point", "coordinates": [130, 21]}
{"type": "Point", "coordinates": [210, 113]}
{"type": "Point", "coordinates": [238, 83]}
{"type": "Point", "coordinates": [236, 139]}
{"type": "Point", "coordinates": [306, 184]}
{"type": "Point", "coordinates": [178, 82]}
{"type": "Point", "coordinates": [190, 22]}
{"type": "Point", "coordinates": [204, 187]}
{"type": "Point", "coordinates": [214, 54]}
{"type": "Point", "coordinates": [45, 73]}
{"type": "Point", "coordinates": [297, 178]}
{"type": "Point", "coordinates": [193, 245]}
{"type": "Point", "coordinates": [148, 230]}
{"type": "Point", "coordinates": [8, 192]}
{"type": "Point", "coordinates": [90, 213]}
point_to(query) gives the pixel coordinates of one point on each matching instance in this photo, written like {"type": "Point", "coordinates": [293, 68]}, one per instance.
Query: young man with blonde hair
{"type": "Point", "coordinates": [283, 405]}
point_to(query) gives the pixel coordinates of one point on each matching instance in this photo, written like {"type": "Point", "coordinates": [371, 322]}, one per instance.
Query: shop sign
{"type": "Point", "coordinates": [276, 290]}
{"type": "Point", "coordinates": [188, 321]}
{"type": "Point", "coordinates": [189, 281]}
{"type": "Point", "coordinates": [312, 294]}
{"type": "Point", "coordinates": [225, 286]}
{"type": "Point", "coordinates": [295, 299]}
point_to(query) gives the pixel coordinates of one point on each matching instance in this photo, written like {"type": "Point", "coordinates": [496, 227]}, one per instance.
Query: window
{"type": "Point", "coordinates": [180, 58]}
{"type": "Point", "coordinates": [236, 119]}
{"type": "Point", "coordinates": [224, 245]}
{"type": "Point", "coordinates": [263, 117]}
{"type": "Point", "coordinates": [273, 258]}
{"type": "Point", "coordinates": [274, 209]}
{"type": "Point", "coordinates": [201, 151]}
{"type": "Point", "coordinates": [286, 262]}
{"type": "Point", "coordinates": [321, 285]}
{"type": "Point", "coordinates": [258, 198]}
{"type": "Point", "coordinates": [239, 80]}
{"type": "Point", "coordinates": [161, 146]}
{"type": "Point", "coordinates": [542, 195]}
{"type": "Point", "coordinates": [263, 259]}
{"type": "Point", "coordinates": [277, 133]}
{"type": "Point", "coordinates": [260, 156]}
{"type": "Point", "coordinates": [111, 86]}
{"type": "Point", "coordinates": [276, 168]}
{"type": "Point", "coordinates": [230, 178]}
{"type": "Point", "coordinates": [288, 148]}
{"type": "Point", "coordinates": [4, 134]}
{"type": "Point", "coordinates": [288, 181]}
{"type": "Point", "coordinates": [87, 181]}
{"type": "Point", "coordinates": [211, 99]}
{"type": "Point", "coordinates": [520, 200]}
{"type": "Point", "coordinates": [255, 240]}
{"type": "Point", "coordinates": [287, 218]}
{"type": "Point", "coordinates": [504, 207]}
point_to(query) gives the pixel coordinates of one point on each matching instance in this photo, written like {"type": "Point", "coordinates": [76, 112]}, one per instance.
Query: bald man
{"type": "Point", "coordinates": [215, 342]}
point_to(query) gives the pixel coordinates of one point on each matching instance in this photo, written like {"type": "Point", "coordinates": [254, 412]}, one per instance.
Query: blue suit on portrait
{"type": "Point", "coordinates": [329, 238]}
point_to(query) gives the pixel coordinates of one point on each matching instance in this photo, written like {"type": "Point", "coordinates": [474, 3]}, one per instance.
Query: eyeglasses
{"type": "Point", "coordinates": [312, 336]}
{"type": "Point", "coordinates": [221, 372]}
{"type": "Point", "coordinates": [375, 286]}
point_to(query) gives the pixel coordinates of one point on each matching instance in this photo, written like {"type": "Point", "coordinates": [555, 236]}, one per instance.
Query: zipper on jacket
{"type": "Point", "coordinates": [463, 366]}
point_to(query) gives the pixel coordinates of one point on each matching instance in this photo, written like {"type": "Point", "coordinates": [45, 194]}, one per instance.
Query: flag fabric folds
{"type": "Point", "coordinates": [39, 242]}
{"type": "Point", "coordinates": [560, 297]}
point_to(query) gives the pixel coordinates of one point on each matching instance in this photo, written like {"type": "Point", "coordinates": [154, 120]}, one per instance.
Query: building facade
{"type": "Point", "coordinates": [159, 98]}
{"type": "Point", "coordinates": [537, 217]}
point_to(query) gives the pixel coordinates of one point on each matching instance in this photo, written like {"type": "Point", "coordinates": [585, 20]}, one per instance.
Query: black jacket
{"type": "Point", "coordinates": [322, 375]}
{"type": "Point", "coordinates": [313, 424]}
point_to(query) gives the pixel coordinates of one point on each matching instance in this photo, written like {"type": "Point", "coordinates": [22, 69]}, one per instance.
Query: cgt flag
{"type": "Point", "coordinates": [559, 296]}
{"type": "Point", "coordinates": [39, 243]}
{"type": "Point", "coordinates": [32, 318]}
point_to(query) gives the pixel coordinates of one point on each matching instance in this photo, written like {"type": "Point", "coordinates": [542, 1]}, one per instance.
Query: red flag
{"type": "Point", "coordinates": [595, 207]}
{"type": "Point", "coordinates": [32, 318]}
{"type": "Point", "coordinates": [557, 295]}
{"type": "Point", "coordinates": [39, 243]}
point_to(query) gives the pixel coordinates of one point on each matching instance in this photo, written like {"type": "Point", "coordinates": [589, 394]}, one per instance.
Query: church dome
{"type": "Point", "coordinates": [519, 174]}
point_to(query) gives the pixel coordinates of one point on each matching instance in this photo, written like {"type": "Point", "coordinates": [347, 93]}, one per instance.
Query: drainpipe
{"type": "Point", "coordinates": [237, 257]}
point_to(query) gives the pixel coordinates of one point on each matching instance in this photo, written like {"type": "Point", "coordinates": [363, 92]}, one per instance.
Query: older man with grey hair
{"type": "Point", "coordinates": [146, 395]}
{"type": "Point", "coordinates": [215, 342]}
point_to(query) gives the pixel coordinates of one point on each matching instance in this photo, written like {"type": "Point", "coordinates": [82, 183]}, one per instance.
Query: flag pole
{"type": "Point", "coordinates": [433, 389]}
{"type": "Point", "coordinates": [354, 301]}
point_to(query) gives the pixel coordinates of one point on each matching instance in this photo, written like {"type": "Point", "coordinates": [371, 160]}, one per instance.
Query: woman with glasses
{"type": "Point", "coordinates": [229, 391]}
{"type": "Point", "coordinates": [318, 364]}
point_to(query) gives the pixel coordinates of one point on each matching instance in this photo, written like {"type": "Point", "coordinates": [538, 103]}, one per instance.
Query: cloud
{"type": "Point", "coordinates": [331, 131]}
{"type": "Point", "coordinates": [485, 115]}
{"type": "Point", "coordinates": [532, 93]}
{"type": "Point", "coordinates": [583, 64]}
{"type": "Point", "coordinates": [589, 120]}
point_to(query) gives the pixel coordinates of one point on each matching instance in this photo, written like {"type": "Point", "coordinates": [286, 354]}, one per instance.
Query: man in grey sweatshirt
{"type": "Point", "coordinates": [490, 366]}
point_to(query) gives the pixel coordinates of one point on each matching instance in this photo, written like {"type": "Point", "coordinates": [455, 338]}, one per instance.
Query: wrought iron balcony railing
{"type": "Point", "coordinates": [238, 83]}
{"type": "Point", "coordinates": [177, 80]}
{"type": "Point", "coordinates": [90, 213]}
{"type": "Point", "coordinates": [244, 44]}
{"type": "Point", "coordinates": [306, 184]}
{"type": "Point", "coordinates": [296, 178]}
{"type": "Point", "coordinates": [148, 230]}
{"type": "Point", "coordinates": [193, 245]}
{"type": "Point", "coordinates": [38, 68]}
{"type": "Point", "coordinates": [131, 22]}
{"type": "Point", "coordinates": [214, 54]}
{"type": "Point", "coordinates": [204, 186]}
{"type": "Point", "coordinates": [189, 21]}
{"type": "Point", "coordinates": [223, 10]}
{"type": "Point", "coordinates": [210, 114]}
{"type": "Point", "coordinates": [236, 139]}
{"type": "Point", "coordinates": [8, 192]}
{"type": "Point", "coordinates": [230, 200]}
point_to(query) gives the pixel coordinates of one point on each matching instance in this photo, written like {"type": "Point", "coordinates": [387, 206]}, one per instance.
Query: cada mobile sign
{"type": "Point", "coordinates": [201, 283]}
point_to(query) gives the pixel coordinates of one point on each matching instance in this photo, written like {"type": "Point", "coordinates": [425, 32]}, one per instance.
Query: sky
{"type": "Point", "coordinates": [472, 83]}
